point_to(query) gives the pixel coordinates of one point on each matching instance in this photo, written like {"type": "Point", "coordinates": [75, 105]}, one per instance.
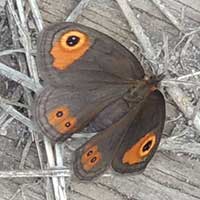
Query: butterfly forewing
{"type": "Point", "coordinates": [97, 61]}
{"type": "Point", "coordinates": [59, 112]}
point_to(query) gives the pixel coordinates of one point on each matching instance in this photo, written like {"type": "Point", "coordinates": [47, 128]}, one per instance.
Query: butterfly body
{"type": "Point", "coordinates": [90, 79]}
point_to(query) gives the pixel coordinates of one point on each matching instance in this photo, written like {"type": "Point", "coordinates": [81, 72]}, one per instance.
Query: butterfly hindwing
{"type": "Point", "coordinates": [143, 136]}
{"type": "Point", "coordinates": [122, 144]}
{"type": "Point", "coordinates": [95, 156]}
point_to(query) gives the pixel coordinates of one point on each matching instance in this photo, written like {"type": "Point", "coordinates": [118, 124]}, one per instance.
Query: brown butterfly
{"type": "Point", "coordinates": [90, 79]}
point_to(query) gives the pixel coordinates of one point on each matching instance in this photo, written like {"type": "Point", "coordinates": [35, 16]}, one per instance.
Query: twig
{"type": "Point", "coordinates": [166, 50]}
{"type": "Point", "coordinates": [25, 152]}
{"type": "Point", "coordinates": [186, 46]}
{"type": "Point", "coordinates": [189, 75]}
{"type": "Point", "coordinates": [39, 151]}
{"type": "Point", "coordinates": [21, 13]}
{"type": "Point", "coordinates": [59, 172]}
{"type": "Point", "coordinates": [77, 11]}
{"type": "Point", "coordinates": [9, 102]}
{"type": "Point", "coordinates": [182, 16]}
{"type": "Point", "coordinates": [59, 162]}
{"type": "Point", "coordinates": [15, 38]}
{"type": "Point", "coordinates": [22, 194]}
{"type": "Point", "coordinates": [51, 162]}
{"type": "Point", "coordinates": [19, 77]}
{"type": "Point", "coordinates": [186, 35]}
{"type": "Point", "coordinates": [25, 39]}
{"type": "Point", "coordinates": [23, 64]}
{"type": "Point", "coordinates": [15, 194]}
{"type": "Point", "coordinates": [36, 14]}
{"type": "Point", "coordinates": [3, 117]}
{"type": "Point", "coordinates": [174, 119]}
{"type": "Point", "coordinates": [11, 51]}
{"type": "Point", "coordinates": [168, 14]}
{"type": "Point", "coordinates": [5, 125]}
{"type": "Point", "coordinates": [48, 188]}
{"type": "Point", "coordinates": [137, 29]}
{"type": "Point", "coordinates": [17, 115]}
{"type": "Point", "coordinates": [196, 120]}
{"type": "Point", "coordinates": [82, 135]}
{"type": "Point", "coordinates": [176, 82]}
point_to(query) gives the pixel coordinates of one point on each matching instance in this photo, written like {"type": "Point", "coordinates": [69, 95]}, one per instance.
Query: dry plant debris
{"type": "Point", "coordinates": [20, 22]}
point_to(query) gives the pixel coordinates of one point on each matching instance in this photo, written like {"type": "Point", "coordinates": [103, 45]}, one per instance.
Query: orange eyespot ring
{"type": "Point", "coordinates": [59, 114]}
{"type": "Point", "coordinates": [61, 120]}
{"type": "Point", "coordinates": [90, 158]}
{"type": "Point", "coordinates": [140, 150]}
{"type": "Point", "coordinates": [92, 162]}
{"type": "Point", "coordinates": [70, 47]}
{"type": "Point", "coordinates": [73, 40]}
{"type": "Point", "coordinates": [147, 146]}
{"type": "Point", "coordinates": [88, 154]}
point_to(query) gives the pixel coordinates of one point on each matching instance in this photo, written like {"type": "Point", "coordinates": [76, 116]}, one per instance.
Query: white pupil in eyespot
{"type": "Point", "coordinates": [73, 40]}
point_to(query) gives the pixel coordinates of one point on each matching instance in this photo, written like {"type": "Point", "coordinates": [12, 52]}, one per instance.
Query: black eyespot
{"type": "Point", "coordinates": [147, 146]}
{"type": "Point", "coordinates": [93, 159]}
{"type": "Point", "coordinates": [89, 153]}
{"type": "Point", "coordinates": [59, 114]}
{"type": "Point", "coordinates": [67, 124]}
{"type": "Point", "coordinates": [72, 40]}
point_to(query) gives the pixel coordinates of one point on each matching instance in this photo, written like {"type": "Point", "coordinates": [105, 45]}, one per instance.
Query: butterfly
{"type": "Point", "coordinates": [92, 80]}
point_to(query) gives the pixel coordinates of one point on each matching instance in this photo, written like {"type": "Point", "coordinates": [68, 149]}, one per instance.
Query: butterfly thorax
{"type": "Point", "coordinates": [141, 89]}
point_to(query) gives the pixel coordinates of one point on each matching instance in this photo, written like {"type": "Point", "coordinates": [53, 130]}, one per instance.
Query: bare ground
{"type": "Point", "coordinates": [174, 172]}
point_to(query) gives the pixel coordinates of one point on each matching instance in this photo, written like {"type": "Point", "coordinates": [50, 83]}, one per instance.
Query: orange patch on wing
{"type": "Point", "coordinates": [64, 54]}
{"type": "Point", "coordinates": [90, 158]}
{"type": "Point", "coordinates": [140, 150]}
{"type": "Point", "coordinates": [61, 119]}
